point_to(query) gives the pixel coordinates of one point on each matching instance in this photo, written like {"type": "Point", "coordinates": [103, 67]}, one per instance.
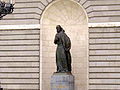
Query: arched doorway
{"type": "Point", "coordinates": [72, 17]}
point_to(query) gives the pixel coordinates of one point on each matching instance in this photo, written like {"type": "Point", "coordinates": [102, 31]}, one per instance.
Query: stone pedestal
{"type": "Point", "coordinates": [62, 81]}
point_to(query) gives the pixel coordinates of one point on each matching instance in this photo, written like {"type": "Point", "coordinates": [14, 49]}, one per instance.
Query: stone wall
{"type": "Point", "coordinates": [20, 48]}
{"type": "Point", "coordinates": [104, 59]}
{"type": "Point", "coordinates": [103, 10]}
{"type": "Point", "coordinates": [19, 59]}
{"type": "Point", "coordinates": [30, 11]}
{"type": "Point", "coordinates": [27, 12]}
{"type": "Point", "coordinates": [104, 45]}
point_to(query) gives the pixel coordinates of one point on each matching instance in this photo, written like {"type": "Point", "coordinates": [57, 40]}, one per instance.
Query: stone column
{"type": "Point", "coordinates": [62, 81]}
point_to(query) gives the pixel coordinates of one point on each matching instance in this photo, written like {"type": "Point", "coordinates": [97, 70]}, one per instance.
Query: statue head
{"type": "Point", "coordinates": [59, 28]}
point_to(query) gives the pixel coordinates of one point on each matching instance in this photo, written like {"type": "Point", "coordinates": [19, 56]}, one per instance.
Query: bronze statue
{"type": "Point", "coordinates": [63, 56]}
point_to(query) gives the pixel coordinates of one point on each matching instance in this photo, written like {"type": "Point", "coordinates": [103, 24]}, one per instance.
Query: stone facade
{"type": "Point", "coordinates": [26, 61]}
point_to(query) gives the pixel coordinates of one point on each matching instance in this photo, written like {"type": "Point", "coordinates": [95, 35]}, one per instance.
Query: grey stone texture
{"type": "Point", "coordinates": [19, 59]}
{"type": "Point", "coordinates": [19, 67]}
{"type": "Point", "coordinates": [62, 81]}
{"type": "Point", "coordinates": [29, 11]}
{"type": "Point", "coordinates": [104, 58]}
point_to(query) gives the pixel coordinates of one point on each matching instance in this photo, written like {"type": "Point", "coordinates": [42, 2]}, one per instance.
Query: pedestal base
{"type": "Point", "coordinates": [62, 81]}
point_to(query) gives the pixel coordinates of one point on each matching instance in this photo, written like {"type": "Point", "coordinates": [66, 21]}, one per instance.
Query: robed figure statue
{"type": "Point", "coordinates": [63, 56]}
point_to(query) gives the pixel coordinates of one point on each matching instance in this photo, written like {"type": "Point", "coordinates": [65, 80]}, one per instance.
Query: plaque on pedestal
{"type": "Point", "coordinates": [62, 81]}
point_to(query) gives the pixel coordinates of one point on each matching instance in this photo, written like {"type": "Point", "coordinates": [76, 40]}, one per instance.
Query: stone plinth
{"type": "Point", "coordinates": [62, 81]}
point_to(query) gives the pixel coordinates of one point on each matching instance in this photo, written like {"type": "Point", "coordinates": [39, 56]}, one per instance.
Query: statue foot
{"type": "Point", "coordinates": [63, 71]}
{"type": "Point", "coordinates": [58, 71]}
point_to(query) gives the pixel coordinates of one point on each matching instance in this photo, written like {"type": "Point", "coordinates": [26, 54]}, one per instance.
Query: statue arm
{"type": "Point", "coordinates": [68, 49]}
{"type": "Point", "coordinates": [66, 43]}
{"type": "Point", "coordinates": [56, 39]}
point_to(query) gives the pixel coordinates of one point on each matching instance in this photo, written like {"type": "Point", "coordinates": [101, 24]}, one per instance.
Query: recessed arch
{"type": "Point", "coordinates": [55, 1]}
{"type": "Point", "coordinates": [73, 18]}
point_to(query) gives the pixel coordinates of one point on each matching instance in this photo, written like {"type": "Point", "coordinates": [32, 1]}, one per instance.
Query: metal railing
{"type": "Point", "coordinates": [5, 8]}
{"type": "Point", "coordinates": [0, 86]}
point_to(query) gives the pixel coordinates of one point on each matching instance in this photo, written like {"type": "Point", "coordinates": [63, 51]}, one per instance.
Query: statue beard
{"type": "Point", "coordinates": [59, 30]}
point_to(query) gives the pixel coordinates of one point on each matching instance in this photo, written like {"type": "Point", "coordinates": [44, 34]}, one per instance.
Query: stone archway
{"type": "Point", "coordinates": [72, 17]}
